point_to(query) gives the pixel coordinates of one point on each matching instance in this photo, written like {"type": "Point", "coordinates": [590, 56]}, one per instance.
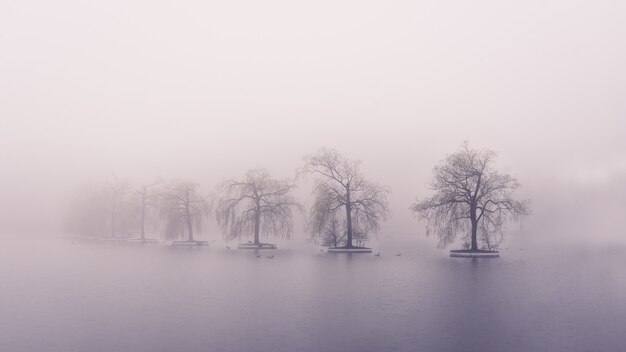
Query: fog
{"type": "Point", "coordinates": [138, 90]}
{"type": "Point", "coordinates": [207, 90]}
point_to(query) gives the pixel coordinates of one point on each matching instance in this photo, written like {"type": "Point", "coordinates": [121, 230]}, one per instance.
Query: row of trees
{"type": "Point", "coordinates": [472, 200]}
{"type": "Point", "coordinates": [114, 209]}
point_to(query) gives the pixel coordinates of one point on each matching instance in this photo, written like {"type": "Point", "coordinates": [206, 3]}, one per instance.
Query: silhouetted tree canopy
{"type": "Point", "coordinates": [471, 198]}
{"type": "Point", "coordinates": [257, 205]}
{"type": "Point", "coordinates": [342, 194]}
{"type": "Point", "coordinates": [183, 209]}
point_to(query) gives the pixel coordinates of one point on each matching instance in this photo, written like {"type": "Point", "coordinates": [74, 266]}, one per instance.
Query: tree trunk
{"type": "Point", "coordinates": [349, 217]}
{"type": "Point", "coordinates": [474, 229]}
{"type": "Point", "coordinates": [143, 214]}
{"type": "Point", "coordinates": [257, 223]}
{"type": "Point", "coordinates": [473, 215]}
{"type": "Point", "coordinates": [189, 225]}
{"type": "Point", "coordinates": [113, 218]}
{"type": "Point", "coordinates": [474, 239]}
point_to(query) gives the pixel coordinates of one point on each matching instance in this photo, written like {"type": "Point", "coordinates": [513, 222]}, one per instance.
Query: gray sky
{"type": "Point", "coordinates": [205, 90]}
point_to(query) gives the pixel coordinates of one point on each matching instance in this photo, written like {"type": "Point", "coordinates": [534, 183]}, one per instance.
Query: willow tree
{"type": "Point", "coordinates": [183, 209]}
{"type": "Point", "coordinates": [342, 193]}
{"type": "Point", "coordinates": [471, 198]}
{"type": "Point", "coordinates": [256, 205]}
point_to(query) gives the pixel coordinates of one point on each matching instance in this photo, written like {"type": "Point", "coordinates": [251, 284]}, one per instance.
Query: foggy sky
{"type": "Point", "coordinates": [206, 90]}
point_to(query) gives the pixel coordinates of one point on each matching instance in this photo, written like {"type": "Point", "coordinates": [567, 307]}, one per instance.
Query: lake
{"type": "Point", "coordinates": [69, 295]}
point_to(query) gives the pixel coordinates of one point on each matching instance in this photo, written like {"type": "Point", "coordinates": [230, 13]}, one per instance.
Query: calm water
{"type": "Point", "coordinates": [56, 295]}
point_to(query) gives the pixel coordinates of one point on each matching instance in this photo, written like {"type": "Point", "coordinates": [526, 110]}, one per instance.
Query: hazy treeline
{"type": "Point", "coordinates": [347, 208]}
{"type": "Point", "coordinates": [116, 208]}
{"type": "Point", "coordinates": [472, 202]}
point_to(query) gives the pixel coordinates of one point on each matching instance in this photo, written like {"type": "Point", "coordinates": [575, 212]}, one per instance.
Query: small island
{"type": "Point", "coordinates": [466, 253]}
{"type": "Point", "coordinates": [258, 245]}
{"type": "Point", "coordinates": [187, 243]}
{"type": "Point", "coordinates": [352, 249]}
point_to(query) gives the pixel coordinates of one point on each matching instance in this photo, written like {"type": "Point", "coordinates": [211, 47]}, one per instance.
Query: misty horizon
{"type": "Point", "coordinates": [271, 94]}
{"type": "Point", "coordinates": [93, 92]}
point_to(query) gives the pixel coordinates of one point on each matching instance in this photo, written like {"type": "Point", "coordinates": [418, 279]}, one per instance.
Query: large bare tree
{"type": "Point", "coordinates": [471, 198]}
{"type": "Point", "coordinates": [341, 192]}
{"type": "Point", "coordinates": [184, 208]}
{"type": "Point", "coordinates": [257, 205]}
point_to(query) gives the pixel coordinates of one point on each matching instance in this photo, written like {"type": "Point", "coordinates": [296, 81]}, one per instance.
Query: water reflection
{"type": "Point", "coordinates": [81, 296]}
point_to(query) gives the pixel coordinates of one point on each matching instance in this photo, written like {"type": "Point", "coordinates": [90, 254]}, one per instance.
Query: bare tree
{"type": "Point", "coordinates": [118, 189]}
{"type": "Point", "coordinates": [341, 189]}
{"type": "Point", "coordinates": [147, 200]}
{"type": "Point", "coordinates": [471, 198]}
{"type": "Point", "coordinates": [333, 234]}
{"type": "Point", "coordinates": [184, 208]}
{"type": "Point", "coordinates": [256, 205]}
